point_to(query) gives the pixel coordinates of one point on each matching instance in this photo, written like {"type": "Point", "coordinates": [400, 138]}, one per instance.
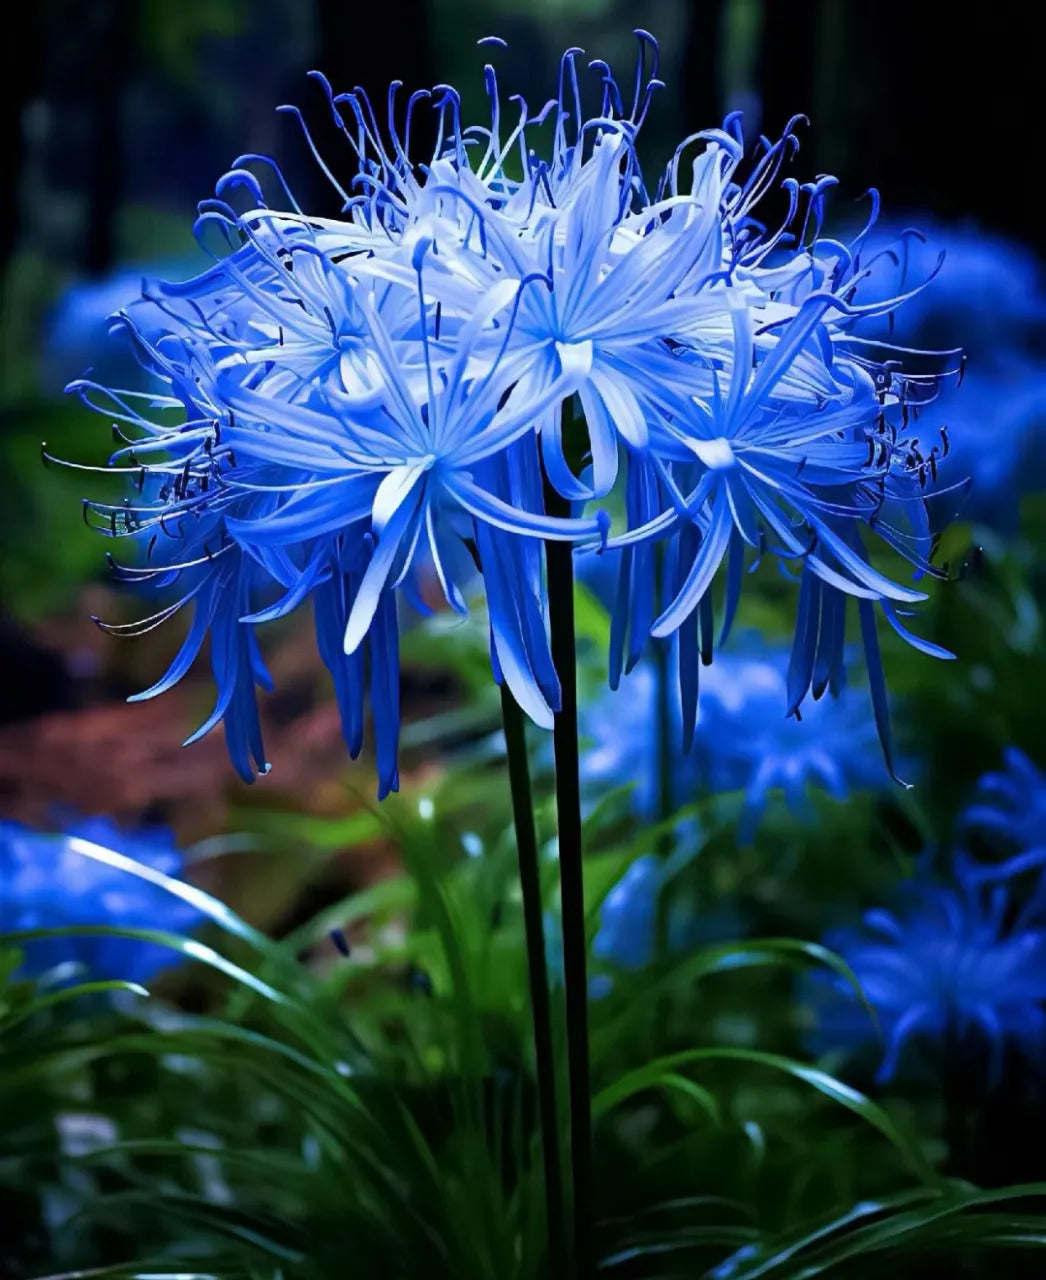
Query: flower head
{"type": "Point", "coordinates": [47, 883]}
{"type": "Point", "coordinates": [350, 405]}
{"type": "Point", "coordinates": [953, 966]}
{"type": "Point", "coordinates": [1011, 804]}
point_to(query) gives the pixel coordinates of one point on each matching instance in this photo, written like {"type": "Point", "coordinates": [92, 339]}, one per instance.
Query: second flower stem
{"type": "Point", "coordinates": [560, 566]}
{"type": "Point", "coordinates": [537, 964]}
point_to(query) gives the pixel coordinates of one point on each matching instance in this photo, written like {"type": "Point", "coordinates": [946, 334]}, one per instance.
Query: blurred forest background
{"type": "Point", "coordinates": [121, 114]}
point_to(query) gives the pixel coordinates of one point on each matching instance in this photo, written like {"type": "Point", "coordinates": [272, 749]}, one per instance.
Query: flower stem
{"type": "Point", "coordinates": [560, 565]}
{"type": "Point", "coordinates": [537, 966]}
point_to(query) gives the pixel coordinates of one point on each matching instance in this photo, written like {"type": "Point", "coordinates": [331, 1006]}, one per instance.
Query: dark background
{"type": "Point", "coordinates": [115, 108]}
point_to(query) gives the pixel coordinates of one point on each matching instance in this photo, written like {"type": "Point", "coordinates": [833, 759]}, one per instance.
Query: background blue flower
{"type": "Point", "coordinates": [745, 740]}
{"type": "Point", "coordinates": [990, 298]}
{"type": "Point", "coordinates": [76, 334]}
{"type": "Point", "coordinates": [45, 883]}
{"type": "Point", "coordinates": [1011, 804]}
{"type": "Point", "coordinates": [954, 968]}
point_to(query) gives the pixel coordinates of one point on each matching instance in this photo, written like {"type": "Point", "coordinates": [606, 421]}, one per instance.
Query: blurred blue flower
{"type": "Point", "coordinates": [627, 934]}
{"type": "Point", "coordinates": [990, 296]}
{"type": "Point", "coordinates": [46, 883]}
{"type": "Point", "coordinates": [76, 329]}
{"type": "Point", "coordinates": [954, 967]}
{"type": "Point", "coordinates": [745, 740]}
{"type": "Point", "coordinates": [1011, 805]}
{"type": "Point", "coordinates": [748, 738]}
{"type": "Point", "coordinates": [629, 916]}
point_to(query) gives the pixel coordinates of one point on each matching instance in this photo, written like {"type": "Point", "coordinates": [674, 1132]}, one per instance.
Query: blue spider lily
{"type": "Point", "coordinates": [351, 406]}
{"type": "Point", "coordinates": [957, 967]}
{"type": "Point", "coordinates": [1011, 805]}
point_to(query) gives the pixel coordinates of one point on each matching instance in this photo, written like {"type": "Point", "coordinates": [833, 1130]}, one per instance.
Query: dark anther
{"type": "Point", "coordinates": [945, 442]}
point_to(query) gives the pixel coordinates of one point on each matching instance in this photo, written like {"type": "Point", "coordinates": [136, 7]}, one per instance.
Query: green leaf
{"type": "Point", "coordinates": [905, 1221]}
{"type": "Point", "coordinates": [189, 948]}
{"type": "Point", "coordinates": [654, 1074]}
{"type": "Point", "coordinates": [723, 958]}
{"type": "Point", "coordinates": [66, 994]}
{"type": "Point", "coordinates": [215, 910]}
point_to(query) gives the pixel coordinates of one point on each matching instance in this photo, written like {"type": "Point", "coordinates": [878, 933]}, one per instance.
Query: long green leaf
{"type": "Point", "coordinates": [189, 948]}
{"type": "Point", "coordinates": [53, 998]}
{"type": "Point", "coordinates": [653, 1075]}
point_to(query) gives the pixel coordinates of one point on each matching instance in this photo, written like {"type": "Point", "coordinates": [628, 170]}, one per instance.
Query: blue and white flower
{"type": "Point", "coordinates": [347, 404]}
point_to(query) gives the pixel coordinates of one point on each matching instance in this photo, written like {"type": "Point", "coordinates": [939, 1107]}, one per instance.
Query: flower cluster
{"type": "Point", "coordinates": [46, 882]}
{"type": "Point", "coordinates": [496, 347]}
{"type": "Point", "coordinates": [747, 739]}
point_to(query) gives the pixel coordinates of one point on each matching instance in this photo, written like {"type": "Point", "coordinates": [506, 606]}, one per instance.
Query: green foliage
{"type": "Point", "coordinates": [380, 1108]}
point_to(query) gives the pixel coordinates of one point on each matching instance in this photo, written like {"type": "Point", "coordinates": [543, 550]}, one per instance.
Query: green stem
{"type": "Point", "coordinates": [537, 966]}
{"type": "Point", "coordinates": [560, 565]}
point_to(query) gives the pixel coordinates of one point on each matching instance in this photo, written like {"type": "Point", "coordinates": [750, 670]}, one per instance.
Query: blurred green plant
{"type": "Point", "coordinates": [377, 1109]}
